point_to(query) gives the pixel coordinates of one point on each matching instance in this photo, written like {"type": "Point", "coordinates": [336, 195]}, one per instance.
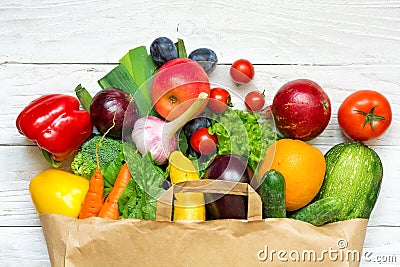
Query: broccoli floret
{"type": "Point", "coordinates": [84, 163]}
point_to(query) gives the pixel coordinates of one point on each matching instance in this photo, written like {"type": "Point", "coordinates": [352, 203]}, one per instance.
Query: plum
{"type": "Point", "coordinates": [162, 50]}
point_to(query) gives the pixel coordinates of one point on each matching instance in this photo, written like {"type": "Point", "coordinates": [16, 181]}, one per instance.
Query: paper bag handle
{"type": "Point", "coordinates": [254, 204]}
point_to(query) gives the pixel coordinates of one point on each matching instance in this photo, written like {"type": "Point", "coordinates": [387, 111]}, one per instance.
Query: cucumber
{"type": "Point", "coordinates": [272, 193]}
{"type": "Point", "coordinates": [319, 212]}
{"type": "Point", "coordinates": [353, 175]}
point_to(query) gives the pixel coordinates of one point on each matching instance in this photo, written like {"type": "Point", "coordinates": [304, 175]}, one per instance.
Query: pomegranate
{"type": "Point", "coordinates": [301, 109]}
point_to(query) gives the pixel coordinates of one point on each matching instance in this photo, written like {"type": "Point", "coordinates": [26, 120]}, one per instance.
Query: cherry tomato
{"type": "Point", "coordinates": [364, 115]}
{"type": "Point", "coordinates": [242, 71]}
{"type": "Point", "coordinates": [220, 100]}
{"type": "Point", "coordinates": [203, 142]}
{"type": "Point", "coordinates": [254, 101]}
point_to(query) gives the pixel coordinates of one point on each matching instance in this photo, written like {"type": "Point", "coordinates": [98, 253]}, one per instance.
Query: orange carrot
{"type": "Point", "coordinates": [110, 207]}
{"type": "Point", "coordinates": [94, 198]}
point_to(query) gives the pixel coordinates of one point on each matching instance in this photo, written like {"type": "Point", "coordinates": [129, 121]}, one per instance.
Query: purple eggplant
{"type": "Point", "coordinates": [229, 168]}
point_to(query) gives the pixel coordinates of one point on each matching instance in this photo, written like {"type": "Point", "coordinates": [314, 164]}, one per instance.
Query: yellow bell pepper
{"type": "Point", "coordinates": [55, 191]}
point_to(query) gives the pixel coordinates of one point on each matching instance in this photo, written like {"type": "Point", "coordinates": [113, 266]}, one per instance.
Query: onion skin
{"type": "Point", "coordinates": [108, 103]}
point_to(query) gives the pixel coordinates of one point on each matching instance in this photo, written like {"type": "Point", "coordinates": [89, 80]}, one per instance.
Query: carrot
{"type": "Point", "coordinates": [110, 207]}
{"type": "Point", "coordinates": [94, 198]}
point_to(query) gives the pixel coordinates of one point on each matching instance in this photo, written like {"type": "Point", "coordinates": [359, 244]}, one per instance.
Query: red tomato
{"type": "Point", "coordinates": [242, 71]}
{"type": "Point", "coordinates": [364, 115]}
{"type": "Point", "coordinates": [254, 101]}
{"type": "Point", "coordinates": [203, 142]}
{"type": "Point", "coordinates": [219, 100]}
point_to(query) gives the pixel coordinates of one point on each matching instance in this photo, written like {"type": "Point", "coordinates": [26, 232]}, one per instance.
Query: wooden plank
{"type": "Point", "coordinates": [16, 208]}
{"type": "Point", "coordinates": [25, 246]}
{"type": "Point", "coordinates": [275, 32]}
{"type": "Point", "coordinates": [23, 83]}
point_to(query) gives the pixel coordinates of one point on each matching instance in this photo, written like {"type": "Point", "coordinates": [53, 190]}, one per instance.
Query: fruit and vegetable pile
{"type": "Point", "coordinates": [157, 120]}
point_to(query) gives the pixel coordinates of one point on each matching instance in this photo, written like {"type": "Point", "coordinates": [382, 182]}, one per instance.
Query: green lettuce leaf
{"type": "Point", "coordinates": [244, 134]}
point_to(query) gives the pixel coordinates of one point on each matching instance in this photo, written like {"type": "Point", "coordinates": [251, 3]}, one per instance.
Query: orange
{"type": "Point", "coordinates": [302, 166]}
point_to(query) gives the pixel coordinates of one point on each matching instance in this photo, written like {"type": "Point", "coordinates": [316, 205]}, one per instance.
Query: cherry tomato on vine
{"type": "Point", "coordinates": [203, 142]}
{"type": "Point", "coordinates": [364, 115]}
{"type": "Point", "coordinates": [220, 100]}
{"type": "Point", "coordinates": [254, 101]}
{"type": "Point", "coordinates": [242, 71]}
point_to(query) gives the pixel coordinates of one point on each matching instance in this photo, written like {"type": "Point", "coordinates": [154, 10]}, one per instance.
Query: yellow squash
{"type": "Point", "coordinates": [55, 191]}
{"type": "Point", "coordinates": [187, 206]}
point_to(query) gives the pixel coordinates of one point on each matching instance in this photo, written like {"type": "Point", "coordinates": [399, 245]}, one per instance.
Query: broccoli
{"type": "Point", "coordinates": [84, 163]}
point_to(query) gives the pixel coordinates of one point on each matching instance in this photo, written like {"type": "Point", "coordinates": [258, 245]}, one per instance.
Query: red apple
{"type": "Point", "coordinates": [176, 85]}
{"type": "Point", "coordinates": [301, 109]}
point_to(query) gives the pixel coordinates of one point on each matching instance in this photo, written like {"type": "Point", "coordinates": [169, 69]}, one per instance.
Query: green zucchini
{"type": "Point", "coordinates": [319, 212]}
{"type": "Point", "coordinates": [272, 193]}
{"type": "Point", "coordinates": [353, 175]}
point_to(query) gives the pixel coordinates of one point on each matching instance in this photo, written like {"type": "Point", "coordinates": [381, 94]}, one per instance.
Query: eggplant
{"type": "Point", "coordinates": [108, 103]}
{"type": "Point", "coordinates": [229, 167]}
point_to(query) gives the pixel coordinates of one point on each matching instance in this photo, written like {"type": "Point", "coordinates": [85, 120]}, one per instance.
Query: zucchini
{"type": "Point", "coordinates": [353, 175]}
{"type": "Point", "coordinates": [319, 212]}
{"type": "Point", "coordinates": [272, 193]}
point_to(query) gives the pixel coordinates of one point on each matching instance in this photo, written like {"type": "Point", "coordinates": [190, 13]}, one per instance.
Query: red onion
{"type": "Point", "coordinates": [108, 103]}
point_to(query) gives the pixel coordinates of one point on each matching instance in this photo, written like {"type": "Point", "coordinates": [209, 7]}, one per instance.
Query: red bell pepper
{"type": "Point", "coordinates": [56, 124]}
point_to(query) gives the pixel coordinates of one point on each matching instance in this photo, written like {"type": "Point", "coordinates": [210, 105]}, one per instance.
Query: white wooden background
{"type": "Point", "coordinates": [50, 46]}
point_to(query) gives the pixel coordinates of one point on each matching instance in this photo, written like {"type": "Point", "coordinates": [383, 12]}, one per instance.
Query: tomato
{"type": "Point", "coordinates": [254, 101]}
{"type": "Point", "coordinates": [364, 115]}
{"type": "Point", "coordinates": [203, 142]}
{"type": "Point", "coordinates": [219, 100]}
{"type": "Point", "coordinates": [242, 71]}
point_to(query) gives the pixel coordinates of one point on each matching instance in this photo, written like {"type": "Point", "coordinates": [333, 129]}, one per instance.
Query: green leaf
{"type": "Point", "coordinates": [119, 77]}
{"type": "Point", "coordinates": [141, 67]}
{"type": "Point", "coordinates": [182, 142]}
{"type": "Point", "coordinates": [140, 196]}
{"type": "Point", "coordinates": [134, 76]}
{"type": "Point", "coordinates": [242, 133]}
{"type": "Point", "coordinates": [180, 46]}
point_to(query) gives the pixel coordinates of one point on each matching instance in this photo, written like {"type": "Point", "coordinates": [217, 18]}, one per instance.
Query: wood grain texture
{"type": "Point", "coordinates": [272, 32]}
{"type": "Point", "coordinates": [51, 46]}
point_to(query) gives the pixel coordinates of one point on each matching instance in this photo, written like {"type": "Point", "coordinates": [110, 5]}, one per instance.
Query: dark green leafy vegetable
{"type": "Point", "coordinates": [243, 134]}
{"type": "Point", "coordinates": [139, 199]}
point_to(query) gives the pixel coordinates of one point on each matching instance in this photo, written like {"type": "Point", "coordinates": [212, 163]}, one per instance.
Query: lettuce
{"type": "Point", "coordinates": [244, 134]}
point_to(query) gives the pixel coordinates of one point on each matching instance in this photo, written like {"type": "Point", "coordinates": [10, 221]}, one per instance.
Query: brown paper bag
{"type": "Point", "coordinates": [253, 242]}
